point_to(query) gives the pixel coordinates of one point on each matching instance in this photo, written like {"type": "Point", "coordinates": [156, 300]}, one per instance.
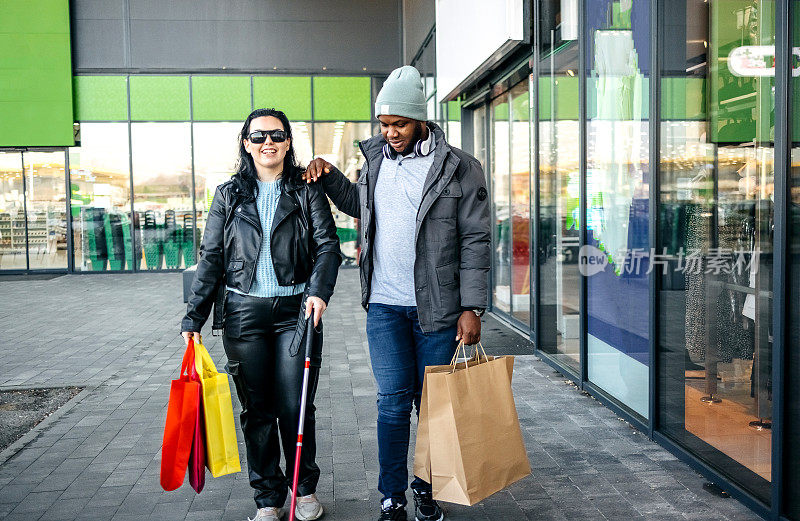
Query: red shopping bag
{"type": "Point", "coordinates": [179, 429]}
{"type": "Point", "coordinates": [197, 457]}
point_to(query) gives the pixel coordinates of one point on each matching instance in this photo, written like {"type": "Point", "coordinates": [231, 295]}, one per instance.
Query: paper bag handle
{"type": "Point", "coordinates": [463, 348]}
{"type": "Point", "coordinates": [478, 353]}
{"type": "Point", "coordinates": [453, 361]}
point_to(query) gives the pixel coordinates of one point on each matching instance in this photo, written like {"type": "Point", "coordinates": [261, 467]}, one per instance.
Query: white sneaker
{"type": "Point", "coordinates": [308, 508]}
{"type": "Point", "coordinates": [267, 514]}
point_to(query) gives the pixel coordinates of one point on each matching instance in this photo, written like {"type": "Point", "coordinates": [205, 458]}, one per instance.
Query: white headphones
{"type": "Point", "coordinates": [421, 148]}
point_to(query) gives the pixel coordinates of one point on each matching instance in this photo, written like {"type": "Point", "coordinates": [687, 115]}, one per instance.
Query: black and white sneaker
{"type": "Point", "coordinates": [391, 511]}
{"type": "Point", "coordinates": [426, 508]}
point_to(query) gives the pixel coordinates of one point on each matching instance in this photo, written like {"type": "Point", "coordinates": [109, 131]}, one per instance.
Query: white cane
{"type": "Point", "coordinates": [309, 344]}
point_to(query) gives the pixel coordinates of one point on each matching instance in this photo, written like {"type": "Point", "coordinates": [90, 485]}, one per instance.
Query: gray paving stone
{"type": "Point", "coordinates": [101, 459]}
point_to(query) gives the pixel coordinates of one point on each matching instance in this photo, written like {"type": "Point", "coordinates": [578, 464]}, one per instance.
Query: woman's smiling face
{"type": "Point", "coordinates": [268, 154]}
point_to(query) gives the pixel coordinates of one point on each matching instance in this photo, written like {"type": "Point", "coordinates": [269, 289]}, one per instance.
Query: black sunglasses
{"type": "Point", "coordinates": [259, 136]}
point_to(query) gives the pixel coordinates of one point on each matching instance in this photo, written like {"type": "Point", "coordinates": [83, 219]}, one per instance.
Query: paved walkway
{"type": "Point", "coordinates": [98, 457]}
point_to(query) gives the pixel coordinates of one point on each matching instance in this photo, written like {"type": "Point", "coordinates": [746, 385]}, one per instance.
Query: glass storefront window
{"type": "Point", "coordinates": [337, 143]}
{"type": "Point", "coordinates": [46, 209]}
{"type": "Point", "coordinates": [162, 193]}
{"type": "Point", "coordinates": [100, 198]}
{"type": "Point", "coordinates": [501, 267]}
{"type": "Point", "coordinates": [479, 135]}
{"type": "Point", "coordinates": [559, 190]}
{"type": "Point", "coordinates": [520, 202]}
{"type": "Point", "coordinates": [453, 123]}
{"type": "Point", "coordinates": [13, 241]}
{"type": "Point", "coordinates": [33, 210]}
{"type": "Point", "coordinates": [617, 243]}
{"type": "Point", "coordinates": [716, 226]}
{"type": "Point", "coordinates": [301, 132]}
{"type": "Point", "coordinates": [216, 150]}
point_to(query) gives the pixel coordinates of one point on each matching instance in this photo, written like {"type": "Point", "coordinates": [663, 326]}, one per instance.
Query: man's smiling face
{"type": "Point", "coordinates": [401, 133]}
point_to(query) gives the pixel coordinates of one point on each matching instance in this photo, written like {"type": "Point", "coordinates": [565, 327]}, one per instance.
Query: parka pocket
{"type": "Point", "coordinates": [448, 288]}
{"type": "Point", "coordinates": [446, 205]}
{"type": "Point", "coordinates": [447, 275]}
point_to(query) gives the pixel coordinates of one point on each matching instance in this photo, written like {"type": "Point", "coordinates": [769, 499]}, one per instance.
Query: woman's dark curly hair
{"type": "Point", "coordinates": [246, 176]}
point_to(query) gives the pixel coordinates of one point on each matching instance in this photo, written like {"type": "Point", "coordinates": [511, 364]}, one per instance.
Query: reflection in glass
{"type": "Point", "coordinates": [452, 127]}
{"type": "Point", "coordinates": [337, 143]}
{"type": "Point", "coordinates": [479, 135]}
{"type": "Point", "coordinates": [46, 208]}
{"type": "Point", "coordinates": [162, 193]}
{"type": "Point", "coordinates": [520, 202]}
{"type": "Point", "coordinates": [559, 192]}
{"type": "Point", "coordinates": [216, 150]}
{"type": "Point", "coordinates": [13, 242]}
{"type": "Point", "coordinates": [618, 35]}
{"type": "Point", "coordinates": [301, 133]}
{"type": "Point", "coordinates": [100, 198]}
{"type": "Point", "coordinates": [716, 224]}
{"type": "Point", "coordinates": [501, 267]}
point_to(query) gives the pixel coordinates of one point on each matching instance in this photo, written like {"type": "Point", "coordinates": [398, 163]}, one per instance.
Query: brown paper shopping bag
{"type": "Point", "coordinates": [469, 443]}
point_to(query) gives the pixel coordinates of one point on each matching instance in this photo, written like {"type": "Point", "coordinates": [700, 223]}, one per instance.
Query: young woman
{"type": "Point", "coordinates": [269, 259]}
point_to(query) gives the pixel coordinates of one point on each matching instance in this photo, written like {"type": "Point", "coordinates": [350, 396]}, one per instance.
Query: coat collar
{"type": "Point", "coordinates": [373, 146]}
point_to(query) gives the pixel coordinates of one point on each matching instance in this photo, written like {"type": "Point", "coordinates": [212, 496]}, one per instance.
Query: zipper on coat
{"type": "Point", "coordinates": [372, 223]}
{"type": "Point", "coordinates": [260, 244]}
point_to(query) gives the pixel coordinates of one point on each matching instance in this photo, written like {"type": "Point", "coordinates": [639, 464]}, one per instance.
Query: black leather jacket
{"type": "Point", "coordinates": [303, 244]}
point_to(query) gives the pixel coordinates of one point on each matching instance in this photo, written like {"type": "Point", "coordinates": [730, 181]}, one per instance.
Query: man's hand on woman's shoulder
{"type": "Point", "coordinates": [316, 169]}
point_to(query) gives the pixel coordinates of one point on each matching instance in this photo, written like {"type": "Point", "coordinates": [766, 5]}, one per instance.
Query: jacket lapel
{"type": "Point", "coordinates": [442, 170]}
{"type": "Point", "coordinates": [286, 205]}
{"type": "Point", "coordinates": [247, 210]}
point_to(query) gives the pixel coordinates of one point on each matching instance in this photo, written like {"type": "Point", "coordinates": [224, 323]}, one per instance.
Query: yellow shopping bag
{"type": "Point", "coordinates": [222, 451]}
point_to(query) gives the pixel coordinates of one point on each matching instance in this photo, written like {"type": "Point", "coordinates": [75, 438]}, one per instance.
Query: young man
{"type": "Point", "coordinates": [424, 265]}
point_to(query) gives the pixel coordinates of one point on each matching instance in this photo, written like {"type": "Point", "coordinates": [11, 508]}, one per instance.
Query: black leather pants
{"type": "Point", "coordinates": [258, 333]}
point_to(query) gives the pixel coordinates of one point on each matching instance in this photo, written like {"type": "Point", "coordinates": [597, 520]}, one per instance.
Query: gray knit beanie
{"type": "Point", "coordinates": [402, 95]}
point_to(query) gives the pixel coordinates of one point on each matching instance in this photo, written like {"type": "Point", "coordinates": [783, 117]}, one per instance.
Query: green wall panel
{"type": "Point", "coordinates": [221, 98]}
{"type": "Point", "coordinates": [291, 94]}
{"type": "Point", "coordinates": [342, 98]}
{"type": "Point", "coordinates": [454, 110]}
{"type": "Point", "coordinates": [159, 98]}
{"type": "Point", "coordinates": [100, 98]}
{"type": "Point", "coordinates": [35, 73]}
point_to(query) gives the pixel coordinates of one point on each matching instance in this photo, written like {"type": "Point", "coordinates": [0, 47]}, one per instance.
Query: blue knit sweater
{"type": "Point", "coordinates": [265, 283]}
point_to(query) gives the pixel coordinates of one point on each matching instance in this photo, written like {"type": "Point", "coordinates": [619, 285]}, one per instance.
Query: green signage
{"type": "Point", "coordinates": [742, 73]}
{"type": "Point", "coordinates": [35, 73]}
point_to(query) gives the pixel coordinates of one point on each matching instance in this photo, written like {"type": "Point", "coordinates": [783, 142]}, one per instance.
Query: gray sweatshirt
{"type": "Point", "coordinates": [398, 194]}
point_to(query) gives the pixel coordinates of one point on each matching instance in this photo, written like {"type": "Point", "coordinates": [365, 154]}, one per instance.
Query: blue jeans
{"type": "Point", "coordinates": [399, 351]}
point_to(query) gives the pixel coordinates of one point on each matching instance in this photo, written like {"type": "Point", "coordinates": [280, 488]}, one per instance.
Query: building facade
{"type": "Point", "coordinates": [121, 117]}
{"type": "Point", "coordinates": [642, 159]}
